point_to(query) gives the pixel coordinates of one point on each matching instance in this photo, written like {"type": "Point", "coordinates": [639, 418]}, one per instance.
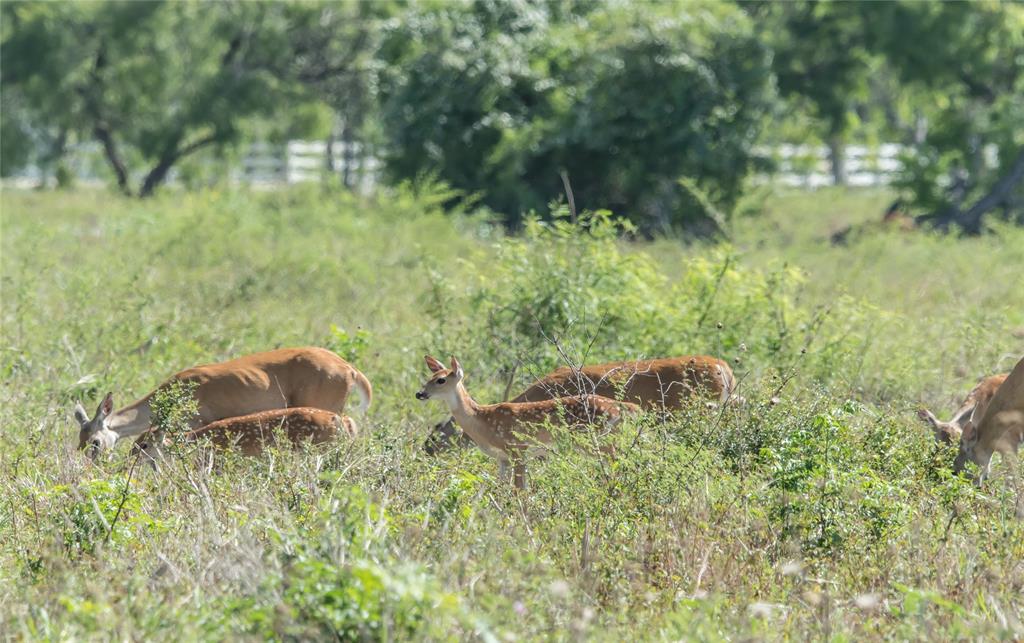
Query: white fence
{"type": "Point", "coordinates": [271, 165]}
{"type": "Point", "coordinates": [810, 166]}
{"type": "Point", "coordinates": [262, 165]}
{"type": "Point", "coordinates": [305, 161]}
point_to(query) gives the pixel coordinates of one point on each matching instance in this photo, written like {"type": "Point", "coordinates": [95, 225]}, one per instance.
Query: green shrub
{"type": "Point", "coordinates": [99, 511]}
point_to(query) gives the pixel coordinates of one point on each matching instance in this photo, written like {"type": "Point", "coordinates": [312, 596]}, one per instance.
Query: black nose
{"type": "Point", "coordinates": [420, 395]}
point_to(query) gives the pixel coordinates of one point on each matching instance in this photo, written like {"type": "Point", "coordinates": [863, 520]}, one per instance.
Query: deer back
{"type": "Point", "coordinates": [667, 383]}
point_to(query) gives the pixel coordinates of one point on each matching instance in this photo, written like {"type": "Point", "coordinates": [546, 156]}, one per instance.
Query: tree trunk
{"type": "Point", "coordinates": [970, 219]}
{"type": "Point", "coordinates": [156, 176]}
{"type": "Point", "coordinates": [347, 155]}
{"type": "Point", "coordinates": [837, 158]}
{"type": "Point", "coordinates": [329, 154]}
{"type": "Point", "coordinates": [110, 151]}
{"type": "Point", "coordinates": [171, 156]}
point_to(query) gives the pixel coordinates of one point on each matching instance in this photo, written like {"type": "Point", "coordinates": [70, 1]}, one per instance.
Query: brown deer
{"type": "Point", "coordinates": [287, 377]}
{"type": "Point", "coordinates": [509, 430]}
{"type": "Point", "coordinates": [999, 427]}
{"type": "Point", "coordinates": [976, 401]}
{"type": "Point", "coordinates": [666, 384]}
{"type": "Point", "coordinates": [252, 433]}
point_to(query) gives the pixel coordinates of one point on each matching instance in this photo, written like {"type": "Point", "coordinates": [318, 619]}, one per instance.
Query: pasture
{"type": "Point", "coordinates": [822, 509]}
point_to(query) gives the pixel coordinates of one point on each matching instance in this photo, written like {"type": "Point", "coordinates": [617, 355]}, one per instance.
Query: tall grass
{"type": "Point", "coordinates": [822, 509]}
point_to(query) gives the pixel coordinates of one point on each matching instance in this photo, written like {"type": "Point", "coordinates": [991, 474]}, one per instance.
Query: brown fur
{"type": "Point", "coordinates": [252, 433]}
{"type": "Point", "coordinates": [506, 431]}
{"type": "Point", "coordinates": [278, 379]}
{"type": "Point", "coordinates": [662, 384]}
{"type": "Point", "coordinates": [974, 405]}
{"type": "Point", "coordinates": [997, 427]}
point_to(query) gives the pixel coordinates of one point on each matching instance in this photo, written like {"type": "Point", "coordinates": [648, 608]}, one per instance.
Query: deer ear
{"type": "Point", "coordinates": [434, 365]}
{"type": "Point", "coordinates": [927, 416]}
{"type": "Point", "coordinates": [80, 414]}
{"type": "Point", "coordinates": [456, 367]}
{"type": "Point", "coordinates": [106, 406]}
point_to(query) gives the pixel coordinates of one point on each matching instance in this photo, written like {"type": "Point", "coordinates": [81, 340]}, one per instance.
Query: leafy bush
{"type": "Point", "coordinates": [99, 511]}
{"type": "Point", "coordinates": [501, 98]}
{"type": "Point", "coordinates": [571, 291]}
{"type": "Point", "coordinates": [174, 406]}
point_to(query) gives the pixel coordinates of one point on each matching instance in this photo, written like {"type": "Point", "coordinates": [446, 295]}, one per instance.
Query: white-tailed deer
{"type": "Point", "coordinates": [1000, 427]}
{"type": "Point", "coordinates": [507, 431]}
{"type": "Point", "coordinates": [976, 401]}
{"type": "Point", "coordinates": [251, 434]}
{"type": "Point", "coordinates": [287, 377]}
{"type": "Point", "coordinates": [666, 384]}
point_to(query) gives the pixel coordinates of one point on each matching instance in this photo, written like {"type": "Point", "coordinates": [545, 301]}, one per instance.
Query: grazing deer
{"type": "Point", "coordinates": [665, 384]}
{"type": "Point", "coordinates": [507, 431]}
{"type": "Point", "coordinates": [999, 427]}
{"type": "Point", "coordinates": [252, 433]}
{"type": "Point", "coordinates": [287, 377]}
{"type": "Point", "coordinates": [975, 402]}
{"type": "Point", "coordinates": [896, 217]}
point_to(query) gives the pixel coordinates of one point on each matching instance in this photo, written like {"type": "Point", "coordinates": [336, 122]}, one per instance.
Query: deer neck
{"type": "Point", "coordinates": [466, 412]}
{"type": "Point", "coordinates": [463, 407]}
{"type": "Point", "coordinates": [134, 419]}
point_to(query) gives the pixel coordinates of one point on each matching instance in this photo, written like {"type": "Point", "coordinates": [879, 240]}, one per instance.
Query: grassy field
{"type": "Point", "coordinates": [822, 509]}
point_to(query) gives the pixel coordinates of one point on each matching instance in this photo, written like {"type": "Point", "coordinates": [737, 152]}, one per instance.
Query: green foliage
{"type": "Point", "coordinates": [338, 580]}
{"type": "Point", "coordinates": [501, 98]}
{"type": "Point", "coordinates": [572, 290]}
{"type": "Point", "coordinates": [568, 281]}
{"type": "Point", "coordinates": [99, 511]}
{"type": "Point", "coordinates": [174, 406]}
{"type": "Point", "coordinates": [651, 110]}
{"type": "Point", "coordinates": [968, 60]}
{"type": "Point", "coordinates": [820, 56]}
{"type": "Point", "coordinates": [350, 346]}
{"type": "Point", "coordinates": [157, 82]}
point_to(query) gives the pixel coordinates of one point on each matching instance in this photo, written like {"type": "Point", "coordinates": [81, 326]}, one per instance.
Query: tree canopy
{"type": "Point", "coordinates": [155, 82]}
{"type": "Point", "coordinates": [653, 110]}
{"type": "Point", "coordinates": [622, 100]}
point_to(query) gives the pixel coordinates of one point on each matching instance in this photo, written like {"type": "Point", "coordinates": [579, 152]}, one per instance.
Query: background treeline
{"type": "Point", "coordinates": [654, 110]}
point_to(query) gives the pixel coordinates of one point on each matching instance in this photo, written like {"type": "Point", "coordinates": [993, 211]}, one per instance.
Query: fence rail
{"type": "Point", "coordinates": [810, 166]}
{"type": "Point", "coordinates": [270, 165]}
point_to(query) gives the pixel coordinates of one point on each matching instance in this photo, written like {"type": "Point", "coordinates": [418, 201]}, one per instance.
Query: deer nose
{"type": "Point", "coordinates": [420, 395]}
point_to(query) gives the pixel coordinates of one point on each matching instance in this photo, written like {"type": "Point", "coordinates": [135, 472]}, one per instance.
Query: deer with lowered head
{"type": "Point", "coordinates": [287, 377]}
{"type": "Point", "coordinates": [999, 427]}
{"type": "Point", "coordinates": [665, 384]}
{"type": "Point", "coordinates": [509, 430]}
{"type": "Point", "coordinates": [975, 403]}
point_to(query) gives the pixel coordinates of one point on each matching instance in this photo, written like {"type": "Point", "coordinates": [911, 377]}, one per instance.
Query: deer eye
{"type": "Point", "coordinates": [440, 380]}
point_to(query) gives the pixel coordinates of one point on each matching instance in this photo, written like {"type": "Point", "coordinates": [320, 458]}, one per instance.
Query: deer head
{"type": "Point", "coordinates": [93, 434]}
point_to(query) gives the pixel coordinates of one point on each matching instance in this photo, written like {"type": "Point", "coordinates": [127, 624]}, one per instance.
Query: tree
{"type": "Point", "coordinates": [502, 99]}
{"type": "Point", "coordinates": [820, 63]}
{"type": "Point", "coordinates": [335, 51]}
{"type": "Point", "coordinates": [153, 82]}
{"type": "Point", "coordinates": [968, 59]}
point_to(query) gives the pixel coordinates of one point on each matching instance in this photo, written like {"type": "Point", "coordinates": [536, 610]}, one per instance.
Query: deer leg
{"type": "Point", "coordinates": [503, 470]}
{"type": "Point", "coordinates": [1013, 462]}
{"type": "Point", "coordinates": [985, 465]}
{"type": "Point", "coordinates": [519, 475]}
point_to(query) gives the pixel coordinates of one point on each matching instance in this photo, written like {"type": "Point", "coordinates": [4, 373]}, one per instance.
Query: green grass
{"type": "Point", "coordinates": [825, 513]}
